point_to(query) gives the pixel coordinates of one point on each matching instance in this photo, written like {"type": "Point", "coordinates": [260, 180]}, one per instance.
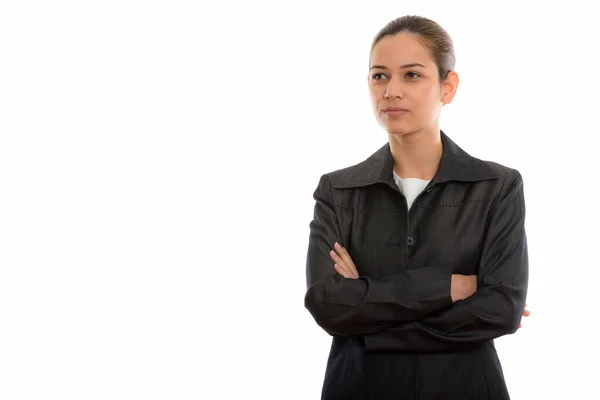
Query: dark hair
{"type": "Point", "coordinates": [432, 36]}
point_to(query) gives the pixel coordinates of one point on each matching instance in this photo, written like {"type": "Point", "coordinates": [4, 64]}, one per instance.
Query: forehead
{"type": "Point", "coordinates": [402, 48]}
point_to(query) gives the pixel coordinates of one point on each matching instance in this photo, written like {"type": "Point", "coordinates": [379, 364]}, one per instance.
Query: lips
{"type": "Point", "coordinates": [395, 112]}
{"type": "Point", "coordinates": [394, 109]}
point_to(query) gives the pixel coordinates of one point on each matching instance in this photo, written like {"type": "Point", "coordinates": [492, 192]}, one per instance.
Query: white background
{"type": "Point", "coordinates": [157, 165]}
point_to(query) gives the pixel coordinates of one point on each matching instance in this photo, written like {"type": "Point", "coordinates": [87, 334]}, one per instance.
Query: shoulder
{"type": "Point", "coordinates": [335, 177]}
{"type": "Point", "coordinates": [330, 179]}
{"type": "Point", "coordinates": [506, 173]}
{"type": "Point", "coordinates": [509, 178]}
{"type": "Point", "coordinates": [501, 169]}
{"type": "Point", "coordinates": [362, 173]}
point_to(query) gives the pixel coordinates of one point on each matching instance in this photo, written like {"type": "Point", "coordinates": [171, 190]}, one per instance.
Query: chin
{"type": "Point", "coordinates": [398, 132]}
{"type": "Point", "coordinates": [394, 129]}
{"type": "Point", "coordinates": [401, 128]}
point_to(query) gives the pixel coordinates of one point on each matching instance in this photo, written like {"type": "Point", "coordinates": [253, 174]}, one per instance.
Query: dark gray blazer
{"type": "Point", "coordinates": [396, 332]}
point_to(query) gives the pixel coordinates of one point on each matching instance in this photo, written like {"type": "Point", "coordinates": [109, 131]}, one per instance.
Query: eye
{"type": "Point", "coordinates": [412, 75]}
{"type": "Point", "coordinates": [376, 75]}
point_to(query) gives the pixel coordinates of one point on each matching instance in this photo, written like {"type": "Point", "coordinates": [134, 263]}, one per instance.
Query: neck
{"type": "Point", "coordinates": [418, 154]}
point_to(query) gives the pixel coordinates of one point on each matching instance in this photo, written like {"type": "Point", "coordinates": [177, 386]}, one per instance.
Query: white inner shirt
{"type": "Point", "coordinates": [410, 187]}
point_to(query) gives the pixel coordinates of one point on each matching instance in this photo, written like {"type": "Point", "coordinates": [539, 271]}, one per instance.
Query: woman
{"type": "Point", "coordinates": [417, 256]}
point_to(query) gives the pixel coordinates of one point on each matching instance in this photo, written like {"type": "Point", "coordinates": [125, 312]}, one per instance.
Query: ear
{"type": "Point", "coordinates": [449, 87]}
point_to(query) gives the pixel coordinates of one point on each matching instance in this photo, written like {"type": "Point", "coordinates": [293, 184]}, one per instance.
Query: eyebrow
{"type": "Point", "coordinates": [411, 65]}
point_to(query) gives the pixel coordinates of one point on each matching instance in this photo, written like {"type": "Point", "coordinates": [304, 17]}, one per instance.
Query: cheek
{"type": "Point", "coordinates": [429, 100]}
{"type": "Point", "coordinates": [373, 92]}
{"type": "Point", "coordinates": [375, 98]}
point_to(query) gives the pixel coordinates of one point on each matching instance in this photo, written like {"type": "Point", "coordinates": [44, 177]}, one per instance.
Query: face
{"type": "Point", "coordinates": [405, 87]}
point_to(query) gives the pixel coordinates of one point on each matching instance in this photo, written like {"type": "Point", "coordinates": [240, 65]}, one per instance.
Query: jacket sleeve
{"type": "Point", "coordinates": [360, 306]}
{"type": "Point", "coordinates": [496, 308]}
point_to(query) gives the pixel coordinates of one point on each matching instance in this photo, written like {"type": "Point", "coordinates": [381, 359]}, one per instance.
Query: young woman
{"type": "Point", "coordinates": [417, 256]}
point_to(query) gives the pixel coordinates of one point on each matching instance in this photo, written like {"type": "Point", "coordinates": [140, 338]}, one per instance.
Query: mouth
{"type": "Point", "coordinates": [395, 111]}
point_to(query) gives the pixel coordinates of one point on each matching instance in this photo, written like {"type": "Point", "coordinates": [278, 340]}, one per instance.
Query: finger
{"type": "Point", "coordinates": [341, 271]}
{"type": "Point", "coordinates": [345, 256]}
{"type": "Point", "coordinates": [338, 260]}
{"type": "Point", "coordinates": [348, 273]}
{"type": "Point", "coordinates": [526, 313]}
{"type": "Point", "coordinates": [354, 273]}
{"type": "Point", "coordinates": [520, 325]}
{"type": "Point", "coordinates": [349, 268]}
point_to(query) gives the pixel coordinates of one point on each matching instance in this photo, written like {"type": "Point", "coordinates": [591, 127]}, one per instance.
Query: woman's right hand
{"type": "Point", "coordinates": [462, 286]}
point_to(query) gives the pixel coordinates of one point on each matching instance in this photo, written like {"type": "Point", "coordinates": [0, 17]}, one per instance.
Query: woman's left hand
{"type": "Point", "coordinates": [343, 263]}
{"type": "Point", "coordinates": [526, 313]}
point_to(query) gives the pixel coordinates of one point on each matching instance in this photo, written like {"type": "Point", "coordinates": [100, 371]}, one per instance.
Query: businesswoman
{"type": "Point", "coordinates": [417, 256]}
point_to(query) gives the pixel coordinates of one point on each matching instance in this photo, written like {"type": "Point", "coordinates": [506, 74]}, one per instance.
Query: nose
{"type": "Point", "coordinates": [394, 89]}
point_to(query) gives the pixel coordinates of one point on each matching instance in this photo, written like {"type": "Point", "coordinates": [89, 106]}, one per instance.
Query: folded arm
{"type": "Point", "coordinates": [496, 308]}
{"type": "Point", "coordinates": [365, 305]}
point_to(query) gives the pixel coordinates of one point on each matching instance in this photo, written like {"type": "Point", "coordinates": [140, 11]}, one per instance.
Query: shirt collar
{"type": "Point", "coordinates": [455, 165]}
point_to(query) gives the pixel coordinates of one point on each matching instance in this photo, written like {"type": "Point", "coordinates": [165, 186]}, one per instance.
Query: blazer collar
{"type": "Point", "coordinates": [455, 165]}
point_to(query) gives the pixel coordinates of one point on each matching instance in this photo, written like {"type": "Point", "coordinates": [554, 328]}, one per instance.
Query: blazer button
{"type": "Point", "coordinates": [411, 241]}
